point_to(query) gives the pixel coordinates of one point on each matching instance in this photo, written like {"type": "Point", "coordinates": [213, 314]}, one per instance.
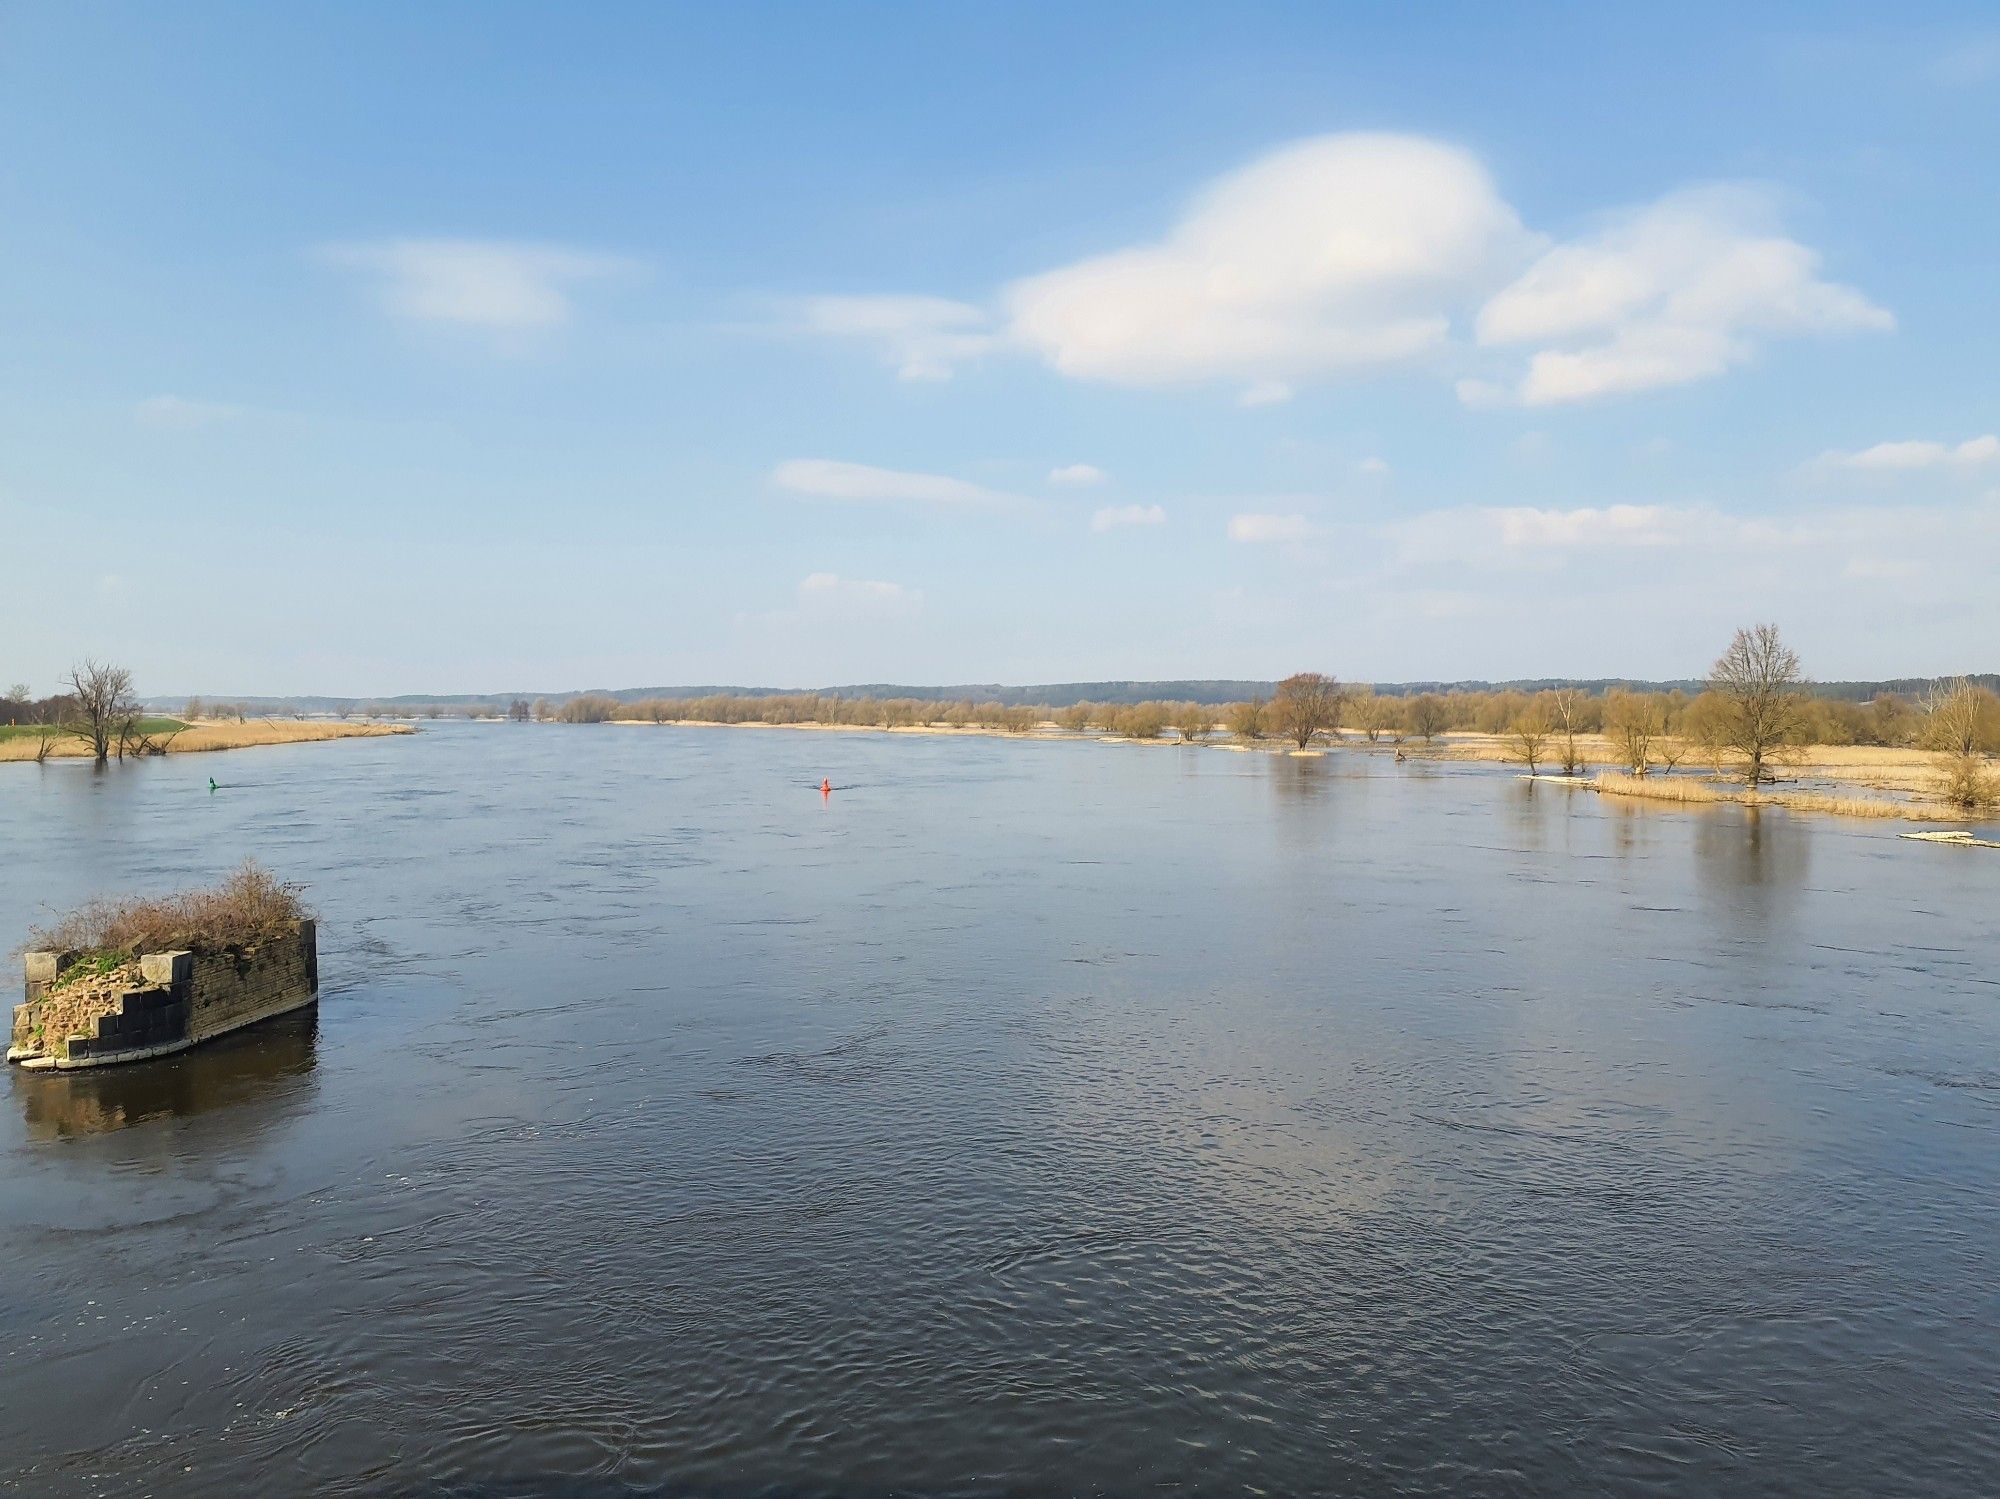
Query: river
{"type": "Point", "coordinates": [1024, 1118]}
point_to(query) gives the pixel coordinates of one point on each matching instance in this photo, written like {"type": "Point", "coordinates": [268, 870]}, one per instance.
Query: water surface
{"type": "Point", "coordinates": [1025, 1118]}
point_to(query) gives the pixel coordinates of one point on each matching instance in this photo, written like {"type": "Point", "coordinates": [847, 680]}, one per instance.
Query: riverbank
{"type": "Point", "coordinates": [202, 738]}
{"type": "Point", "coordinates": [1813, 778]}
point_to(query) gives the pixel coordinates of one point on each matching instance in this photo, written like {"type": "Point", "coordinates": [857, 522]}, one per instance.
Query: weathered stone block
{"type": "Point", "coordinates": [168, 968]}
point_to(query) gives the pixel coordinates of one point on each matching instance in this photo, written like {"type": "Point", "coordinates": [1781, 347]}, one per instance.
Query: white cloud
{"type": "Point", "coordinates": [1682, 290]}
{"type": "Point", "coordinates": [863, 484]}
{"type": "Point", "coordinates": [1269, 528]}
{"type": "Point", "coordinates": [829, 593]}
{"type": "Point", "coordinates": [490, 284]}
{"type": "Point", "coordinates": [1337, 253]}
{"type": "Point", "coordinates": [924, 337]}
{"type": "Point", "coordinates": [1077, 473]}
{"type": "Point", "coordinates": [173, 413]}
{"type": "Point", "coordinates": [1910, 457]}
{"type": "Point", "coordinates": [1114, 516]}
{"type": "Point", "coordinates": [1372, 466]}
{"type": "Point", "coordinates": [1355, 253]}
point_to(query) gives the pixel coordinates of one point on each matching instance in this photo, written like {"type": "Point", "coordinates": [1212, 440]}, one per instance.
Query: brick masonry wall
{"type": "Point", "coordinates": [229, 990]}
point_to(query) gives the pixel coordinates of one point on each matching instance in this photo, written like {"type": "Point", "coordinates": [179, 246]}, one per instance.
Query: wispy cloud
{"type": "Point", "coordinates": [1112, 517]}
{"type": "Point", "coordinates": [1259, 529]}
{"type": "Point", "coordinates": [1914, 456]}
{"type": "Point", "coordinates": [1264, 393]}
{"type": "Point", "coordinates": [1077, 473]}
{"type": "Point", "coordinates": [864, 484]}
{"type": "Point", "coordinates": [1681, 290]}
{"type": "Point", "coordinates": [178, 414]}
{"type": "Point", "coordinates": [490, 284]}
{"type": "Point", "coordinates": [925, 338]}
{"type": "Point", "coordinates": [829, 593]}
{"type": "Point", "coordinates": [1973, 61]}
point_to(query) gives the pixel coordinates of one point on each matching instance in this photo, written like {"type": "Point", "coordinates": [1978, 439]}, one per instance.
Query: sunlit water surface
{"type": "Point", "coordinates": [1025, 1118]}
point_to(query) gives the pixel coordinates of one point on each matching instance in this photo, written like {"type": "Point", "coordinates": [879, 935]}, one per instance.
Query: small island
{"type": "Point", "coordinates": [125, 980]}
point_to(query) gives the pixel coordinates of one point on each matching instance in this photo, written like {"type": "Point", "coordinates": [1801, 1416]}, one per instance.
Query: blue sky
{"type": "Point", "coordinates": [371, 348]}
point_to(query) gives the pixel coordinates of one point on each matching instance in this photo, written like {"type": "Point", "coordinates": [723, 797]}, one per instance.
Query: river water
{"type": "Point", "coordinates": [1023, 1119]}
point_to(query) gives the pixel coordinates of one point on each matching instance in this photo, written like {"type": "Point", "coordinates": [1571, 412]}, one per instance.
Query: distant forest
{"type": "Point", "coordinates": [1050, 694]}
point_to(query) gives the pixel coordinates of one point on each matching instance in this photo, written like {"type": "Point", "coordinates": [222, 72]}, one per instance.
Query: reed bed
{"type": "Point", "coordinates": [1660, 789]}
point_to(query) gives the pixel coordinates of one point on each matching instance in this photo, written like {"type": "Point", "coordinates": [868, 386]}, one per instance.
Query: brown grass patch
{"type": "Point", "coordinates": [249, 907]}
{"type": "Point", "coordinates": [1661, 788]}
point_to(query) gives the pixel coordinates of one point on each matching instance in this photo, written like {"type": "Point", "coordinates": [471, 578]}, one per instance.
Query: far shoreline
{"type": "Point", "coordinates": [1896, 775]}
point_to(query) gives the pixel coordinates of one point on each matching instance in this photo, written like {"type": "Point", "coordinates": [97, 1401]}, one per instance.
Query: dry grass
{"type": "Point", "coordinates": [248, 907]}
{"type": "Point", "coordinates": [1661, 789]}
{"type": "Point", "coordinates": [1686, 790]}
{"type": "Point", "coordinates": [221, 736]}
{"type": "Point", "coordinates": [1845, 806]}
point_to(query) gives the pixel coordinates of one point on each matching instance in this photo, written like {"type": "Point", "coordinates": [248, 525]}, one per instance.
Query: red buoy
{"type": "Point", "coordinates": [826, 787]}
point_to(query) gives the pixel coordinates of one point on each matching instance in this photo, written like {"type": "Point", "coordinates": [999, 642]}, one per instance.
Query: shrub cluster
{"type": "Point", "coordinates": [249, 907]}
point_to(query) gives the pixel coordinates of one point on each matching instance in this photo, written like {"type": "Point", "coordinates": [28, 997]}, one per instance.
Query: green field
{"type": "Point", "coordinates": [29, 730]}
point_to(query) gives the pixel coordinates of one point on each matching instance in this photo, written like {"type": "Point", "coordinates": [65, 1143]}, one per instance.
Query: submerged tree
{"type": "Point", "coordinates": [1635, 723]}
{"type": "Point", "coordinates": [102, 712]}
{"type": "Point", "coordinates": [1426, 716]}
{"type": "Point", "coordinates": [1529, 735]}
{"type": "Point", "coordinates": [1247, 721]}
{"type": "Point", "coordinates": [1191, 721]}
{"type": "Point", "coordinates": [1762, 698]}
{"type": "Point", "coordinates": [1305, 705]}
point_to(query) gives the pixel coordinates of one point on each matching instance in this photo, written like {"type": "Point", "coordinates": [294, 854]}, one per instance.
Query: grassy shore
{"type": "Point", "coordinates": [199, 738]}
{"type": "Point", "coordinates": [1903, 772]}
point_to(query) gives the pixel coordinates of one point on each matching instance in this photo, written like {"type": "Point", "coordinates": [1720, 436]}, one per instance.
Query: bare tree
{"type": "Point", "coordinates": [1426, 715]}
{"type": "Point", "coordinates": [193, 710]}
{"type": "Point", "coordinates": [1307, 704]}
{"type": "Point", "coordinates": [517, 711]}
{"type": "Point", "coordinates": [1529, 735]}
{"type": "Point", "coordinates": [103, 713]}
{"type": "Point", "coordinates": [1246, 720]}
{"type": "Point", "coordinates": [1634, 722]}
{"type": "Point", "coordinates": [1193, 720]}
{"type": "Point", "coordinates": [1566, 716]}
{"type": "Point", "coordinates": [1960, 719]}
{"type": "Point", "coordinates": [1378, 715]}
{"type": "Point", "coordinates": [1763, 698]}
{"type": "Point", "coordinates": [15, 704]}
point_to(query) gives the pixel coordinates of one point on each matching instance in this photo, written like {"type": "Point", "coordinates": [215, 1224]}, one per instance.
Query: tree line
{"type": "Point", "coordinates": [1755, 708]}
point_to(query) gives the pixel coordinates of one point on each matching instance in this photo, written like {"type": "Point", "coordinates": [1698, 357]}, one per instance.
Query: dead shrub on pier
{"type": "Point", "coordinates": [249, 907]}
